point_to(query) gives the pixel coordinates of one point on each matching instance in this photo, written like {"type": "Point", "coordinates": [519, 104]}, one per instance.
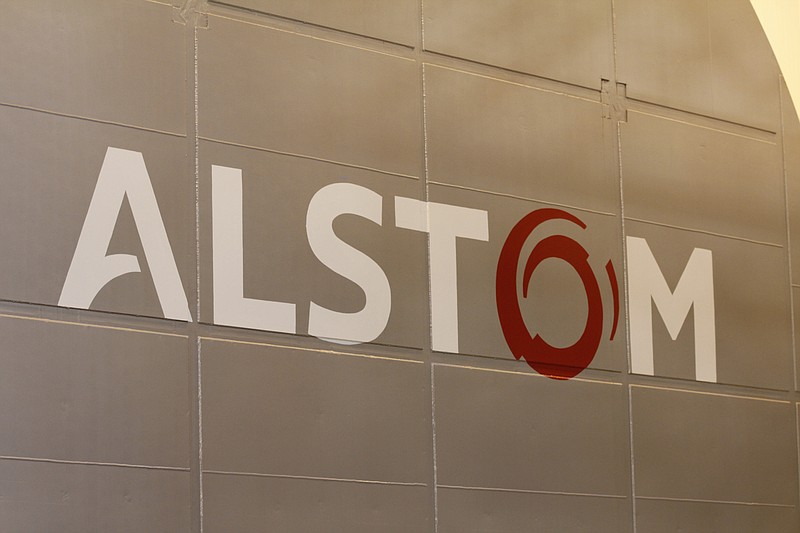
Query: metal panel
{"type": "Point", "coordinates": [796, 323]}
{"type": "Point", "coordinates": [250, 504]}
{"type": "Point", "coordinates": [556, 306]}
{"type": "Point", "coordinates": [51, 168]}
{"type": "Point", "coordinates": [709, 57]}
{"type": "Point", "coordinates": [698, 178]}
{"type": "Point", "coordinates": [791, 164]}
{"type": "Point", "coordinates": [82, 393]}
{"type": "Point", "coordinates": [312, 97]}
{"type": "Point", "coordinates": [504, 137]}
{"type": "Point", "coordinates": [713, 447]}
{"type": "Point", "coordinates": [121, 61]}
{"type": "Point", "coordinates": [752, 308]}
{"type": "Point", "coordinates": [475, 511]}
{"type": "Point", "coordinates": [504, 430]}
{"type": "Point", "coordinates": [110, 428]}
{"type": "Point", "coordinates": [76, 498]}
{"type": "Point", "coordinates": [290, 412]}
{"type": "Point", "coordinates": [571, 42]}
{"type": "Point", "coordinates": [389, 20]}
{"type": "Point", "coordinates": [280, 266]}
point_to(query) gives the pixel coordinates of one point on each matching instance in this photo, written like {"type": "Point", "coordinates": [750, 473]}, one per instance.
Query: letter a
{"type": "Point", "coordinates": [123, 174]}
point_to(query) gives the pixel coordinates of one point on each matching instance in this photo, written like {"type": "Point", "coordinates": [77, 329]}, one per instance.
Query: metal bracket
{"type": "Point", "coordinates": [194, 12]}
{"type": "Point", "coordinates": [613, 97]}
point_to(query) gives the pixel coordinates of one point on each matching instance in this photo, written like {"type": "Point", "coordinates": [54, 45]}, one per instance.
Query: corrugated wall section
{"type": "Point", "coordinates": [665, 121]}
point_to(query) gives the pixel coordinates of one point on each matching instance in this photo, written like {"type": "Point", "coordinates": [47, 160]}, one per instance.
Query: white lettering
{"type": "Point", "coordinates": [231, 308]}
{"type": "Point", "coordinates": [365, 325]}
{"type": "Point", "coordinates": [695, 289]}
{"type": "Point", "coordinates": [123, 174]}
{"type": "Point", "coordinates": [443, 223]}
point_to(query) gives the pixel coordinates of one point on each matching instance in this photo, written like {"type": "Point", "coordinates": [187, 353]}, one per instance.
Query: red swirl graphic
{"type": "Point", "coordinates": [551, 361]}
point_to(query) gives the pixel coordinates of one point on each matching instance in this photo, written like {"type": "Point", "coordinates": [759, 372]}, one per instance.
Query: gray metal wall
{"type": "Point", "coordinates": [663, 120]}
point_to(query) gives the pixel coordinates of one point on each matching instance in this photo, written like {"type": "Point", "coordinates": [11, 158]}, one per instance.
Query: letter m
{"type": "Point", "coordinates": [695, 288]}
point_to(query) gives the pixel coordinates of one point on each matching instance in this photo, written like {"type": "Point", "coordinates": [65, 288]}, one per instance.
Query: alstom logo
{"type": "Point", "coordinates": [552, 361]}
{"type": "Point", "coordinates": [124, 175]}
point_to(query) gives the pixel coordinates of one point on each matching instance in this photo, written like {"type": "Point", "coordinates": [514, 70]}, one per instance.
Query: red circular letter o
{"type": "Point", "coordinates": [558, 363]}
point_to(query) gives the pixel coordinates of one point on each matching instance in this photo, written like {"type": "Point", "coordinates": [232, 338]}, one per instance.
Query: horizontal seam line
{"type": "Point", "coordinates": [705, 232]}
{"type": "Point", "coordinates": [316, 478]}
{"type": "Point", "coordinates": [518, 197]}
{"type": "Point", "coordinates": [709, 393]}
{"type": "Point", "coordinates": [517, 373]}
{"type": "Point", "coordinates": [92, 463]}
{"type": "Point", "coordinates": [527, 491]}
{"type": "Point", "coordinates": [90, 119]}
{"type": "Point", "coordinates": [499, 358]}
{"type": "Point", "coordinates": [649, 109]}
{"type": "Point", "coordinates": [309, 157]}
{"type": "Point", "coordinates": [426, 53]}
{"type": "Point", "coordinates": [725, 502]}
{"type": "Point", "coordinates": [284, 18]}
{"type": "Point", "coordinates": [265, 25]}
{"type": "Point", "coordinates": [99, 326]}
{"type": "Point", "coordinates": [315, 350]}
